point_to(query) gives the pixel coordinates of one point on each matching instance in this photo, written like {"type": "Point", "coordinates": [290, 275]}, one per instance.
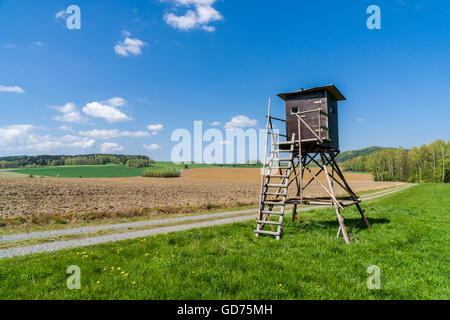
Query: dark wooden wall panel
{"type": "Point", "coordinates": [310, 101]}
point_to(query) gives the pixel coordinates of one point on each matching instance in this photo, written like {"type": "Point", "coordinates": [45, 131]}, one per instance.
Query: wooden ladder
{"type": "Point", "coordinates": [274, 189]}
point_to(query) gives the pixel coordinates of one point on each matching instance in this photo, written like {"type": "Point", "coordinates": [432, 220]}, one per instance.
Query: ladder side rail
{"type": "Point", "coordinates": [300, 152]}
{"type": "Point", "coordinates": [264, 166]}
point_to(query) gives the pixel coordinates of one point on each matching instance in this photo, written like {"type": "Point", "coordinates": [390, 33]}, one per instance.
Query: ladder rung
{"type": "Point", "coordinates": [280, 168]}
{"type": "Point", "coordinates": [280, 151]}
{"type": "Point", "coordinates": [278, 213]}
{"type": "Point", "coordinates": [274, 194]}
{"type": "Point", "coordinates": [277, 176]}
{"type": "Point", "coordinates": [282, 159]}
{"type": "Point", "coordinates": [276, 185]}
{"type": "Point", "coordinates": [269, 222]}
{"type": "Point", "coordinates": [274, 203]}
{"type": "Point", "coordinates": [273, 233]}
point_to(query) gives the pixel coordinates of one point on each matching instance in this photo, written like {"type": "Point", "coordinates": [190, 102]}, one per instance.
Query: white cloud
{"type": "Point", "coordinates": [129, 46]}
{"type": "Point", "coordinates": [152, 146]}
{"type": "Point", "coordinates": [116, 102]}
{"type": "Point", "coordinates": [240, 122]}
{"type": "Point", "coordinates": [23, 138]}
{"type": "Point", "coordinates": [14, 89]}
{"type": "Point", "coordinates": [14, 134]}
{"type": "Point", "coordinates": [67, 108]}
{"type": "Point", "coordinates": [360, 119]}
{"type": "Point", "coordinates": [84, 144]}
{"type": "Point", "coordinates": [155, 128]}
{"type": "Point", "coordinates": [38, 44]}
{"type": "Point", "coordinates": [105, 111]}
{"type": "Point", "coordinates": [125, 33]}
{"type": "Point", "coordinates": [69, 113]}
{"type": "Point", "coordinates": [10, 46]}
{"type": "Point", "coordinates": [65, 128]}
{"type": "Point", "coordinates": [70, 138]}
{"type": "Point", "coordinates": [199, 15]}
{"type": "Point", "coordinates": [109, 147]}
{"type": "Point", "coordinates": [215, 123]}
{"type": "Point", "coordinates": [109, 134]}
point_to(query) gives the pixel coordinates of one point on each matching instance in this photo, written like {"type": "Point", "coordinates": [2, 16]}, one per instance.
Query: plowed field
{"type": "Point", "coordinates": [196, 187]}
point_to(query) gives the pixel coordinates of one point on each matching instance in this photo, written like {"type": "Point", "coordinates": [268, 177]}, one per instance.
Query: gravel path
{"type": "Point", "coordinates": [64, 244]}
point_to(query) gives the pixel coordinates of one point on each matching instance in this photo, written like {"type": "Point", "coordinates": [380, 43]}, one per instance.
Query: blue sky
{"type": "Point", "coordinates": [137, 70]}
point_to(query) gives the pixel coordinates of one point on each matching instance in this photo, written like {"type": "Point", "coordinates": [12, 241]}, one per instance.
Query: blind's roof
{"type": "Point", "coordinates": [330, 88]}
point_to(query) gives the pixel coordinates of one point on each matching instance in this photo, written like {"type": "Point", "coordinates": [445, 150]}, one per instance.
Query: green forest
{"type": "Point", "coordinates": [348, 155]}
{"type": "Point", "coordinates": [131, 161]}
{"type": "Point", "coordinates": [427, 163]}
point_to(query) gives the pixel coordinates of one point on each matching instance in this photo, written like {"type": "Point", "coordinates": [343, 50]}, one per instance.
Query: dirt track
{"type": "Point", "coordinates": [224, 186]}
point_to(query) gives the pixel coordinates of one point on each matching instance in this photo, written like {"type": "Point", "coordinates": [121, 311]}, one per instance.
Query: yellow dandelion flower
{"type": "Point", "coordinates": [112, 268]}
{"type": "Point", "coordinates": [173, 256]}
{"type": "Point", "coordinates": [118, 268]}
{"type": "Point", "coordinates": [193, 272]}
{"type": "Point", "coordinates": [98, 282]}
{"type": "Point", "coordinates": [84, 252]}
{"type": "Point", "coordinates": [134, 282]}
{"type": "Point", "coordinates": [104, 269]}
{"type": "Point", "coordinates": [122, 272]}
{"type": "Point", "coordinates": [281, 285]}
{"type": "Point", "coordinates": [86, 256]}
{"type": "Point", "coordinates": [78, 253]}
{"type": "Point", "coordinates": [146, 254]}
{"type": "Point", "coordinates": [318, 286]}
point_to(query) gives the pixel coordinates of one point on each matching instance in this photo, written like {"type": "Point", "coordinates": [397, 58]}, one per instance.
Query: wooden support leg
{"type": "Point", "coordinates": [342, 226]}
{"type": "Point", "coordinates": [363, 216]}
{"type": "Point", "coordinates": [294, 212]}
{"type": "Point", "coordinates": [335, 202]}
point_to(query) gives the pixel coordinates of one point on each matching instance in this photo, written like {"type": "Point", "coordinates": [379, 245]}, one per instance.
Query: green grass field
{"type": "Point", "coordinates": [103, 171]}
{"type": "Point", "coordinates": [95, 171]}
{"type": "Point", "coordinates": [409, 241]}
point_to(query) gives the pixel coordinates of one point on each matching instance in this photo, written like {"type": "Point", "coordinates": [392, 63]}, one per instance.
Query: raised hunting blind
{"type": "Point", "coordinates": [305, 157]}
{"type": "Point", "coordinates": [318, 107]}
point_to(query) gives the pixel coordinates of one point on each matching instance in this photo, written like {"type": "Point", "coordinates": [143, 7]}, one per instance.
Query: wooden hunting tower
{"type": "Point", "coordinates": [318, 107]}
{"type": "Point", "coordinates": [306, 156]}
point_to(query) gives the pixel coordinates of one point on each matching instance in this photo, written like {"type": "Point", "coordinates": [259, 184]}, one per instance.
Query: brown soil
{"type": "Point", "coordinates": [217, 187]}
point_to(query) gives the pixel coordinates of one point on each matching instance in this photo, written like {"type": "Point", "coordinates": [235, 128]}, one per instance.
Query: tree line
{"type": "Point", "coordinates": [427, 163]}
{"type": "Point", "coordinates": [134, 161]}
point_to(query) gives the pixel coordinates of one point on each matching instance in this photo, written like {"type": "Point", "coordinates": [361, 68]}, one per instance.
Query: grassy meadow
{"type": "Point", "coordinates": [409, 242]}
{"type": "Point", "coordinates": [160, 169]}
{"type": "Point", "coordinates": [93, 171]}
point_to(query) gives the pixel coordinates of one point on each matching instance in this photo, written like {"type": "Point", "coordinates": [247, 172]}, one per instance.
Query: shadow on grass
{"type": "Point", "coordinates": [314, 225]}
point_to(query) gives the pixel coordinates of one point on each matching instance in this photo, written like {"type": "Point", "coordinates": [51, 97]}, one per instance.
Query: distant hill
{"type": "Point", "coordinates": [348, 155]}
